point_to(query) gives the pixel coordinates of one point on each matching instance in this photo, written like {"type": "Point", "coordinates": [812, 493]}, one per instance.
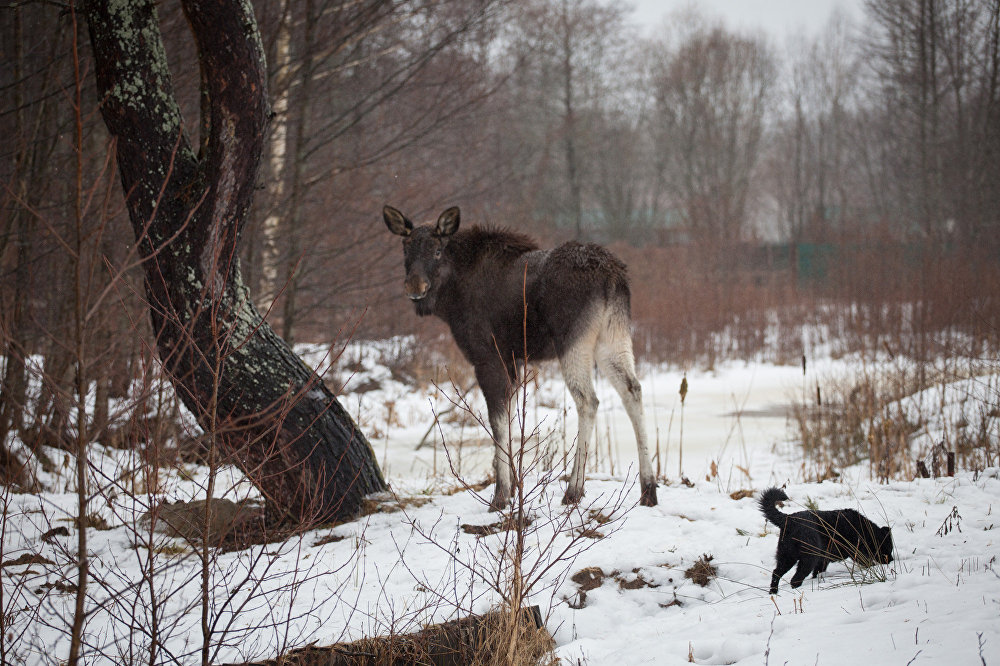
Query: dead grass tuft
{"type": "Point", "coordinates": [392, 505]}
{"type": "Point", "coordinates": [876, 416]}
{"type": "Point", "coordinates": [330, 538]}
{"type": "Point", "coordinates": [599, 517]}
{"type": "Point", "coordinates": [589, 578]}
{"type": "Point", "coordinates": [702, 572]}
{"type": "Point", "coordinates": [26, 559]}
{"type": "Point", "coordinates": [230, 525]}
{"type": "Point", "coordinates": [478, 640]}
{"type": "Point", "coordinates": [507, 524]}
{"type": "Point", "coordinates": [96, 522]}
{"type": "Point", "coordinates": [636, 582]}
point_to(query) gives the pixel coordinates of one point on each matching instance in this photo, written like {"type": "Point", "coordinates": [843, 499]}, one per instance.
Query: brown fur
{"type": "Point", "coordinates": [507, 302]}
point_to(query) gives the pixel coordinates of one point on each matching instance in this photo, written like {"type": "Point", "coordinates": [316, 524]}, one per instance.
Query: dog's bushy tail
{"type": "Point", "coordinates": [767, 502]}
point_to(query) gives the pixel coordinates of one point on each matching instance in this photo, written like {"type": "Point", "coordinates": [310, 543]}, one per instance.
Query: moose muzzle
{"type": "Point", "coordinates": [416, 287]}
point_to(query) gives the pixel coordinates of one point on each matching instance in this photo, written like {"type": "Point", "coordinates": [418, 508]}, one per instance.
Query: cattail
{"type": "Point", "coordinates": [680, 445]}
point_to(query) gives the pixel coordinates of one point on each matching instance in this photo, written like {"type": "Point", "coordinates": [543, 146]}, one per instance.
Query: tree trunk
{"type": "Point", "coordinates": [569, 124]}
{"type": "Point", "coordinates": [293, 224]}
{"type": "Point", "coordinates": [268, 412]}
{"type": "Point", "coordinates": [269, 285]}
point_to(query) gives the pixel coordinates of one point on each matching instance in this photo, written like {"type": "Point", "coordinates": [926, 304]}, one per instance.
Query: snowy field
{"type": "Point", "coordinates": [395, 570]}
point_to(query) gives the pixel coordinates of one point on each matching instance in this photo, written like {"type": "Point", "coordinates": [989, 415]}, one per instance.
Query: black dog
{"type": "Point", "coordinates": [816, 538]}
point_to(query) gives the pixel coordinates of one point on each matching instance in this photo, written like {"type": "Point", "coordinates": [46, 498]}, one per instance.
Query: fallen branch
{"type": "Point", "coordinates": [467, 640]}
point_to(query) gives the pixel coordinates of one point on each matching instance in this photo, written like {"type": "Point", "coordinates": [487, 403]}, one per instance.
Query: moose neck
{"type": "Point", "coordinates": [470, 246]}
{"type": "Point", "coordinates": [477, 254]}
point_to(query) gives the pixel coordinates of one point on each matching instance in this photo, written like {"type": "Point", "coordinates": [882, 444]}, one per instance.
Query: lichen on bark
{"type": "Point", "coordinates": [278, 421]}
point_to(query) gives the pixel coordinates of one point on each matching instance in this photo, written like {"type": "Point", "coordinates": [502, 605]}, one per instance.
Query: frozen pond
{"type": "Point", "coordinates": [729, 416]}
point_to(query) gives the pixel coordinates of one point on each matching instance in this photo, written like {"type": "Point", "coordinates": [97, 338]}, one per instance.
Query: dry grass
{"type": "Point", "coordinates": [506, 525]}
{"type": "Point", "coordinates": [873, 416]}
{"type": "Point", "coordinates": [855, 423]}
{"type": "Point", "coordinates": [591, 578]}
{"type": "Point", "coordinates": [470, 641]}
{"type": "Point", "coordinates": [702, 572]}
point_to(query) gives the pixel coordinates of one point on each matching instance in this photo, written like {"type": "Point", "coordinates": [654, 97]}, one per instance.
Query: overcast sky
{"type": "Point", "coordinates": [776, 17]}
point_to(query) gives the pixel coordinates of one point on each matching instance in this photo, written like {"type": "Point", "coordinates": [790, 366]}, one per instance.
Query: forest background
{"type": "Point", "coordinates": [846, 178]}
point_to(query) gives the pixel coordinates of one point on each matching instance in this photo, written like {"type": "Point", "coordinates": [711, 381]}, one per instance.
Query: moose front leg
{"type": "Point", "coordinates": [498, 388]}
{"type": "Point", "coordinates": [500, 424]}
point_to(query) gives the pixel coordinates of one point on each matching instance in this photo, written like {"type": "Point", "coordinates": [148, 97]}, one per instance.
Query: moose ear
{"type": "Point", "coordinates": [396, 221]}
{"type": "Point", "coordinates": [447, 224]}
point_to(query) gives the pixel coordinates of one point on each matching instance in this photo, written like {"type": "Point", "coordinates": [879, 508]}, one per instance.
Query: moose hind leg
{"type": "Point", "coordinates": [576, 370]}
{"type": "Point", "coordinates": [617, 362]}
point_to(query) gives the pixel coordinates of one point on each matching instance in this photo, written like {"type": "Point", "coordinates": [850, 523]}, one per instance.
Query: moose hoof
{"type": "Point", "coordinates": [572, 497]}
{"type": "Point", "coordinates": [647, 496]}
{"type": "Point", "coordinates": [499, 503]}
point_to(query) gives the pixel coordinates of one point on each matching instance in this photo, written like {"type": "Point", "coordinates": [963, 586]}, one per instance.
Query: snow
{"type": "Point", "coordinates": [938, 595]}
{"type": "Point", "coordinates": [725, 410]}
{"type": "Point", "coordinates": [394, 570]}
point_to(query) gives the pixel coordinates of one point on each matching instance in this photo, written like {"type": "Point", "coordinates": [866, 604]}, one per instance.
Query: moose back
{"type": "Point", "coordinates": [506, 302]}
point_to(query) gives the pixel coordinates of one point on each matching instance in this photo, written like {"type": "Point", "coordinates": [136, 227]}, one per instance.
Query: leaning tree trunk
{"type": "Point", "coordinates": [268, 412]}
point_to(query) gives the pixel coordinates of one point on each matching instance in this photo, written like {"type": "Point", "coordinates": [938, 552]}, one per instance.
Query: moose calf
{"type": "Point", "coordinates": [506, 302]}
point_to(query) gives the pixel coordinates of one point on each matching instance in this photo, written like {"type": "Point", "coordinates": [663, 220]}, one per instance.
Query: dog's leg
{"type": "Point", "coordinates": [804, 569]}
{"type": "Point", "coordinates": [782, 567]}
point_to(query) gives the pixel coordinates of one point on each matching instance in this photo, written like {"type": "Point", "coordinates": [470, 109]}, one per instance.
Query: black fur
{"type": "Point", "coordinates": [477, 285]}
{"type": "Point", "coordinates": [816, 538]}
{"type": "Point", "coordinates": [507, 301]}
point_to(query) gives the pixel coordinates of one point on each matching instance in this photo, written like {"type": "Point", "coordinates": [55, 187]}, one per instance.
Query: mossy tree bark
{"type": "Point", "coordinates": [266, 410]}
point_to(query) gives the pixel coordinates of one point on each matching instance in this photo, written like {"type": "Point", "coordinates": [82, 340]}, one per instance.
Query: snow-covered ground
{"type": "Point", "coordinates": [393, 570]}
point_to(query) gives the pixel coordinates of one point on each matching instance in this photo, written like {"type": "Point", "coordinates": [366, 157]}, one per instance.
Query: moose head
{"type": "Point", "coordinates": [424, 258]}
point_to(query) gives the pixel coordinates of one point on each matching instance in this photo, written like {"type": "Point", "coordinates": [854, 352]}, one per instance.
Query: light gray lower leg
{"type": "Point", "coordinates": [620, 370]}
{"type": "Point", "coordinates": [581, 387]}
{"type": "Point", "coordinates": [495, 382]}
{"type": "Point", "coordinates": [500, 424]}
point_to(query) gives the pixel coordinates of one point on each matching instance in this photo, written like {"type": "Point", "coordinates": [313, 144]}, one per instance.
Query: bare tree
{"type": "Point", "coordinates": [814, 173]}
{"type": "Point", "coordinates": [567, 57]}
{"type": "Point", "coordinates": [712, 96]}
{"type": "Point", "coordinates": [280, 85]}
{"type": "Point", "coordinates": [363, 89]}
{"type": "Point", "coordinates": [188, 211]}
{"type": "Point", "coordinates": [937, 69]}
{"type": "Point", "coordinates": [36, 81]}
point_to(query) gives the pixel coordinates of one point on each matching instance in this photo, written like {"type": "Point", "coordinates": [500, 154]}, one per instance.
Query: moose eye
{"type": "Point", "coordinates": [437, 252]}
